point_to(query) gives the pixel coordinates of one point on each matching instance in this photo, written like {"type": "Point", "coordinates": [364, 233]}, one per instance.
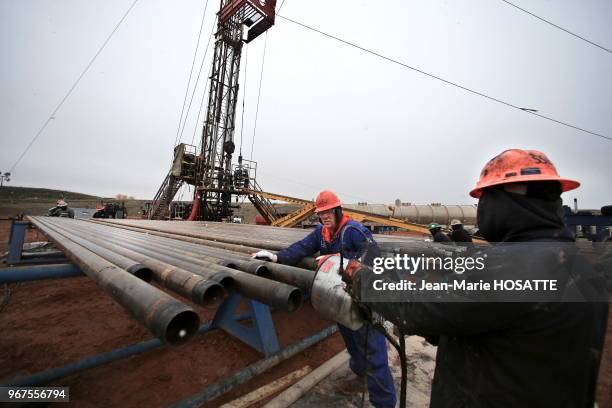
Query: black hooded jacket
{"type": "Point", "coordinates": [509, 354]}
{"type": "Point", "coordinates": [439, 236]}
{"type": "Point", "coordinates": [459, 234]}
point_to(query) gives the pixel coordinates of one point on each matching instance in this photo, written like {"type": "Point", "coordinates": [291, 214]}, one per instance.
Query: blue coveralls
{"type": "Point", "coordinates": [379, 379]}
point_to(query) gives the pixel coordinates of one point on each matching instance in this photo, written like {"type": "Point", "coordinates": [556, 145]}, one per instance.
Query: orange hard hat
{"type": "Point", "coordinates": [326, 200]}
{"type": "Point", "coordinates": [519, 166]}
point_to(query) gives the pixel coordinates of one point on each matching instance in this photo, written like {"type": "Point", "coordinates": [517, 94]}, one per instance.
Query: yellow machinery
{"type": "Point", "coordinates": [308, 208]}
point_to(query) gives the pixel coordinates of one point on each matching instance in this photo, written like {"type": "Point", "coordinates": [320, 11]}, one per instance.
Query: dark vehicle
{"type": "Point", "coordinates": [110, 210]}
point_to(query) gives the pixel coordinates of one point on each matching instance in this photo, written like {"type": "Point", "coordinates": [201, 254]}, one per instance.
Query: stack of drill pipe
{"type": "Point", "coordinates": [205, 231]}
{"type": "Point", "coordinates": [196, 287]}
{"type": "Point", "coordinates": [299, 277]}
{"type": "Point", "coordinates": [257, 236]}
{"type": "Point", "coordinates": [287, 274]}
{"type": "Point", "coordinates": [168, 319]}
{"type": "Point", "coordinates": [232, 236]}
{"type": "Point", "coordinates": [174, 256]}
{"type": "Point", "coordinates": [305, 263]}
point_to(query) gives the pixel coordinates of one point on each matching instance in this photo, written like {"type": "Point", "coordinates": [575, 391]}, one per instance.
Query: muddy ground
{"type": "Point", "coordinates": [421, 358]}
{"type": "Point", "coordinates": [50, 323]}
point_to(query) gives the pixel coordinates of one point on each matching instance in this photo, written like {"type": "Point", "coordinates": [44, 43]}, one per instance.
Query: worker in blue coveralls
{"type": "Point", "coordinates": [356, 239]}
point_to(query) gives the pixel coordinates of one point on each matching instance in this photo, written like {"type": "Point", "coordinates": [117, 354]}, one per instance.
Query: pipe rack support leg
{"type": "Point", "coordinates": [261, 334]}
{"type": "Point", "coordinates": [16, 239]}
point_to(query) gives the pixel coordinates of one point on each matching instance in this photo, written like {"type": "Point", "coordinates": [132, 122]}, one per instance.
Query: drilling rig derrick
{"type": "Point", "coordinates": [211, 170]}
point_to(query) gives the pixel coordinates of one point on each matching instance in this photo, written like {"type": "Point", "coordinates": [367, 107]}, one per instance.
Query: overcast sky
{"type": "Point", "coordinates": [330, 116]}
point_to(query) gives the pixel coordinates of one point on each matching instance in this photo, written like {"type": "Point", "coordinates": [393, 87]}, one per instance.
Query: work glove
{"type": "Point", "coordinates": [265, 256]}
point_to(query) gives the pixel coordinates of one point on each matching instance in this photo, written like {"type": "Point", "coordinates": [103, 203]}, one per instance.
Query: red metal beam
{"type": "Point", "coordinates": [230, 9]}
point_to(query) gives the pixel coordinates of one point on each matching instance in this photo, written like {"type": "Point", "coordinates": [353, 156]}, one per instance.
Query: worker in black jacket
{"type": "Point", "coordinates": [435, 230]}
{"type": "Point", "coordinates": [503, 354]}
{"type": "Point", "coordinates": [458, 233]}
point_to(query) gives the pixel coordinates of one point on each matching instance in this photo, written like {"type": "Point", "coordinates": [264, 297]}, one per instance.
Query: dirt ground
{"type": "Point", "coordinates": [50, 323]}
{"type": "Point", "coordinates": [421, 358]}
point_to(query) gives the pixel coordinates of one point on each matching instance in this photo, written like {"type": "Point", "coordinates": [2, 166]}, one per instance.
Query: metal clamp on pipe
{"type": "Point", "coordinates": [329, 298]}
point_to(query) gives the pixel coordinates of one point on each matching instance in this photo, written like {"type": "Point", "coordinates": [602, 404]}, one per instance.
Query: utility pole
{"type": "Point", "coordinates": [6, 176]}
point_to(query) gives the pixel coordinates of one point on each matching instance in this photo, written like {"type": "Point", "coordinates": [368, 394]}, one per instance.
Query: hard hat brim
{"type": "Point", "coordinates": [326, 207]}
{"type": "Point", "coordinates": [566, 184]}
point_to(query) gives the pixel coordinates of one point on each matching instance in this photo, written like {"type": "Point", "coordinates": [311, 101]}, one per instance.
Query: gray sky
{"type": "Point", "coordinates": [330, 116]}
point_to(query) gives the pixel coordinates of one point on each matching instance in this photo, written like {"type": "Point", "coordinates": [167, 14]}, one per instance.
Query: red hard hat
{"type": "Point", "coordinates": [326, 200]}
{"type": "Point", "coordinates": [519, 166]}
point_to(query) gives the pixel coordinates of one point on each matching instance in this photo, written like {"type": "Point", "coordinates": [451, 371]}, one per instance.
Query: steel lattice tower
{"type": "Point", "coordinates": [211, 169]}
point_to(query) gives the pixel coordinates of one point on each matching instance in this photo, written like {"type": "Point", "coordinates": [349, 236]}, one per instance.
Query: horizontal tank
{"type": "Point", "coordinates": [422, 214]}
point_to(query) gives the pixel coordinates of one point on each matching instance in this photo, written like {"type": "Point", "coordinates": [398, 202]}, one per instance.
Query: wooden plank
{"type": "Point", "coordinates": [268, 389]}
{"type": "Point", "coordinates": [295, 392]}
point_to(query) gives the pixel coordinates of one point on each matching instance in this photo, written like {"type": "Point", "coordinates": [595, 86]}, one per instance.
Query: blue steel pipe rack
{"type": "Point", "coordinates": [260, 334]}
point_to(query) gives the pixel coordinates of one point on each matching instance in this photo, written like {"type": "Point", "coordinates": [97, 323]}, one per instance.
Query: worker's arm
{"type": "Point", "coordinates": [301, 249]}
{"type": "Point", "coordinates": [453, 316]}
{"type": "Point", "coordinates": [450, 319]}
{"type": "Point", "coordinates": [360, 242]}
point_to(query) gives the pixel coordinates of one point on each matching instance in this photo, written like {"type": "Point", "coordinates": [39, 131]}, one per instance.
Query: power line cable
{"type": "Point", "coordinates": [195, 87]}
{"type": "Point", "coordinates": [74, 85]}
{"type": "Point", "coordinates": [258, 92]}
{"type": "Point", "coordinates": [312, 186]}
{"type": "Point", "coordinates": [195, 128]}
{"type": "Point", "coordinates": [389, 59]}
{"type": "Point", "coordinates": [195, 53]}
{"type": "Point", "coordinates": [557, 26]}
{"type": "Point", "coordinates": [263, 60]}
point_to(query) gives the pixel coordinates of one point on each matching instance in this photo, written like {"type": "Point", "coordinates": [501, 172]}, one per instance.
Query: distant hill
{"type": "Point", "coordinates": [36, 201]}
{"type": "Point", "coordinates": [44, 194]}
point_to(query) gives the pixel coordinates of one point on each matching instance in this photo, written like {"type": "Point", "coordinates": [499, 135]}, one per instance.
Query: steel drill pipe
{"type": "Point", "coordinates": [166, 251]}
{"type": "Point", "coordinates": [287, 274]}
{"type": "Point", "coordinates": [277, 238]}
{"type": "Point", "coordinates": [187, 284]}
{"type": "Point", "coordinates": [178, 254]}
{"type": "Point", "coordinates": [306, 263]}
{"type": "Point", "coordinates": [168, 319]}
{"type": "Point", "coordinates": [234, 260]}
{"type": "Point", "coordinates": [220, 256]}
{"type": "Point", "coordinates": [203, 287]}
{"type": "Point", "coordinates": [276, 294]}
{"type": "Point", "coordinates": [34, 273]}
{"type": "Point", "coordinates": [260, 236]}
{"type": "Point", "coordinates": [273, 293]}
{"type": "Point", "coordinates": [281, 237]}
{"type": "Point", "coordinates": [223, 245]}
{"type": "Point", "coordinates": [291, 275]}
{"type": "Point", "coordinates": [135, 268]}
{"type": "Point", "coordinates": [214, 237]}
